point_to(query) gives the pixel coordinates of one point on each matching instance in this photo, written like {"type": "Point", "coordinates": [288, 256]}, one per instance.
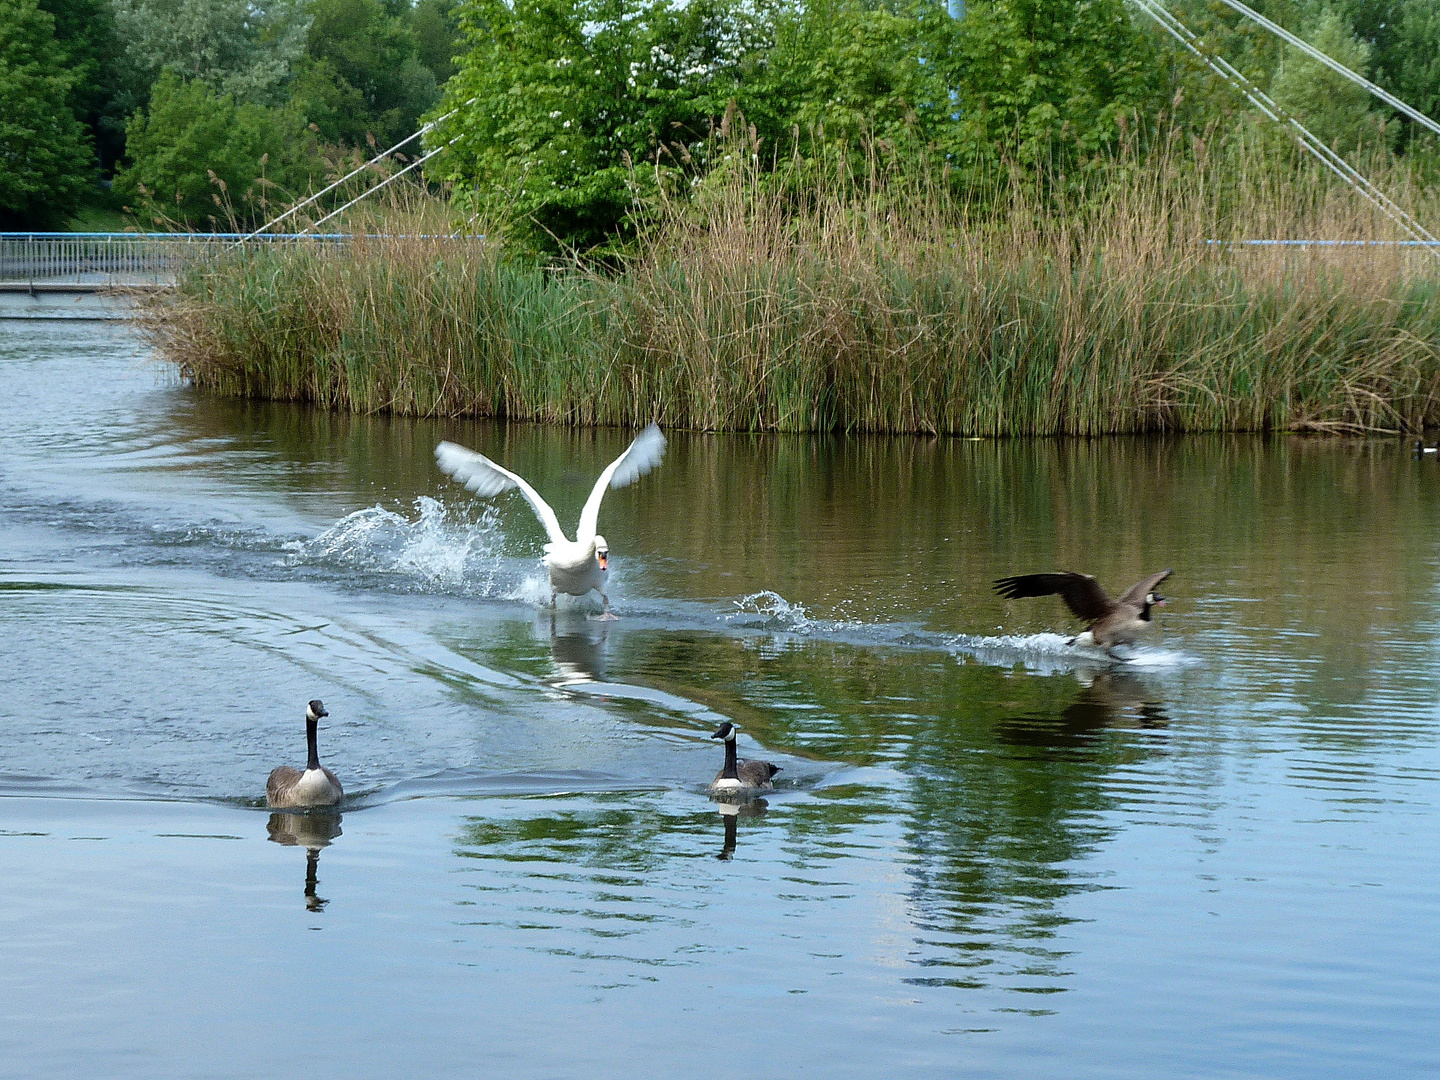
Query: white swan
{"type": "Point", "coordinates": [579, 565]}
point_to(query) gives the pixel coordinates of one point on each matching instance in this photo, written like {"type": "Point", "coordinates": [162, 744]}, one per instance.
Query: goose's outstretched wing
{"type": "Point", "coordinates": [1136, 593]}
{"type": "Point", "coordinates": [484, 477]}
{"type": "Point", "coordinates": [639, 458]}
{"type": "Point", "coordinates": [1081, 593]}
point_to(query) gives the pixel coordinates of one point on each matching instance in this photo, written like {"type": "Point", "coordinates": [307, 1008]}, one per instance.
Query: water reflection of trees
{"type": "Point", "coordinates": [1003, 787]}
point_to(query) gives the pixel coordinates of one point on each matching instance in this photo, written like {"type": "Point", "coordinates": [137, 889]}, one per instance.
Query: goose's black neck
{"type": "Point", "coordinates": [731, 772]}
{"type": "Point", "coordinates": [310, 728]}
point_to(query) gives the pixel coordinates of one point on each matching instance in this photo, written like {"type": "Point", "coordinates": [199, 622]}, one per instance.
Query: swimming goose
{"type": "Point", "coordinates": [579, 565]}
{"type": "Point", "coordinates": [1112, 622]}
{"type": "Point", "coordinates": [316, 786]}
{"type": "Point", "coordinates": [739, 776]}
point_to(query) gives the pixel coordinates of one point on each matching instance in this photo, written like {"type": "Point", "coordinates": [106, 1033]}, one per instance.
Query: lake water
{"type": "Point", "coordinates": [990, 854]}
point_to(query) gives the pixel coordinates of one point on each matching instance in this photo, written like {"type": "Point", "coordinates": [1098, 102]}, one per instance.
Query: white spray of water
{"type": "Point", "coordinates": [439, 549]}
{"type": "Point", "coordinates": [776, 613]}
{"type": "Point", "coordinates": [1048, 654]}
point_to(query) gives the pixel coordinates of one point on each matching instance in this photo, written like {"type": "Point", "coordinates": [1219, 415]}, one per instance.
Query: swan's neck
{"type": "Point", "coordinates": [311, 726]}
{"type": "Point", "coordinates": [731, 771]}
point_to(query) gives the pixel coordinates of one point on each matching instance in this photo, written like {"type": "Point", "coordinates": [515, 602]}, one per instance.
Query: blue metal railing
{"type": "Point", "coordinates": [93, 258]}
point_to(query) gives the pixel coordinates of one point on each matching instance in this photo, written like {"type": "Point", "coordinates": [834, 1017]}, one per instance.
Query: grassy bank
{"type": "Point", "coordinates": [866, 303]}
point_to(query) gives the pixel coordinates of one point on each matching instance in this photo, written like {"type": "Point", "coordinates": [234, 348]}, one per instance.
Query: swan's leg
{"type": "Point", "coordinates": [606, 616]}
{"type": "Point", "coordinates": [552, 599]}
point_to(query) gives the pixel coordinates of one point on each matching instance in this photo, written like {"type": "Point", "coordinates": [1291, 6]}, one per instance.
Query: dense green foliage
{"type": "Point", "coordinates": [362, 77]}
{"type": "Point", "coordinates": [581, 117]}
{"type": "Point", "coordinates": [45, 162]}
{"type": "Point", "coordinates": [202, 160]}
{"type": "Point", "coordinates": [582, 106]}
{"type": "Point", "coordinates": [326, 76]}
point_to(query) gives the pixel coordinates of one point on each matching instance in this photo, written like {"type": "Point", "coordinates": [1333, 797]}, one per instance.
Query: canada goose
{"type": "Point", "coordinates": [1421, 449]}
{"type": "Point", "coordinates": [579, 565]}
{"type": "Point", "coordinates": [1112, 622]}
{"type": "Point", "coordinates": [316, 786]}
{"type": "Point", "coordinates": [738, 775]}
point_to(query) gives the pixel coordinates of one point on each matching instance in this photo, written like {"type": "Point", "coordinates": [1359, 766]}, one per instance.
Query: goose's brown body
{"type": "Point", "coordinates": [736, 775]}
{"type": "Point", "coordinates": [1112, 622]}
{"type": "Point", "coordinates": [315, 785]}
{"type": "Point", "coordinates": [296, 787]}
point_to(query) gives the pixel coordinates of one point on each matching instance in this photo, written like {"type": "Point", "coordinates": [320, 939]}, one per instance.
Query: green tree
{"type": "Point", "coordinates": [46, 163]}
{"type": "Point", "coordinates": [362, 78]}
{"type": "Point", "coordinates": [1416, 47]}
{"type": "Point", "coordinates": [85, 31]}
{"type": "Point", "coordinates": [1335, 109]}
{"type": "Point", "coordinates": [571, 97]}
{"type": "Point", "coordinates": [245, 48]}
{"type": "Point", "coordinates": [437, 35]}
{"type": "Point", "coordinates": [198, 158]}
{"type": "Point", "coordinates": [1037, 79]}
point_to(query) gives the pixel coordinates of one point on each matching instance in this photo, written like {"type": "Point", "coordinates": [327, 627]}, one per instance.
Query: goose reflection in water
{"type": "Point", "coordinates": [312, 832]}
{"type": "Point", "coordinates": [1107, 700]}
{"type": "Point", "coordinates": [730, 814]}
{"type": "Point", "coordinates": [577, 651]}
{"type": "Point", "coordinates": [1115, 699]}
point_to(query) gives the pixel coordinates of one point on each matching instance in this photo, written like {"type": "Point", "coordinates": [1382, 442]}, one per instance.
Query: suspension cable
{"type": "Point", "coordinates": [1334, 65]}
{"type": "Point", "coordinates": [356, 172]}
{"type": "Point", "coordinates": [1301, 134]}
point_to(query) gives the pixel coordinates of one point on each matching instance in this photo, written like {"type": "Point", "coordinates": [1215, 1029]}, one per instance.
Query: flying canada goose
{"type": "Point", "coordinates": [579, 565]}
{"type": "Point", "coordinates": [739, 776]}
{"type": "Point", "coordinates": [316, 786]}
{"type": "Point", "coordinates": [1112, 622]}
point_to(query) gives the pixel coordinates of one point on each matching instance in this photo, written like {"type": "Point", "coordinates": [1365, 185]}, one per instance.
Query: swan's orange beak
{"type": "Point", "coordinates": [604, 558]}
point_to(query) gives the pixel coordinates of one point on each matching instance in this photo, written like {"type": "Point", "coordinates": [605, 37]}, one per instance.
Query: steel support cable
{"type": "Point", "coordinates": [1334, 65]}
{"type": "Point", "coordinates": [388, 180]}
{"type": "Point", "coordinates": [1257, 97]}
{"type": "Point", "coordinates": [356, 172]}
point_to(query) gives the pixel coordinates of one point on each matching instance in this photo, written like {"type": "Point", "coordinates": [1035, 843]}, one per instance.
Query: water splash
{"type": "Point", "coordinates": [440, 549]}
{"type": "Point", "coordinates": [1049, 653]}
{"type": "Point", "coordinates": [774, 613]}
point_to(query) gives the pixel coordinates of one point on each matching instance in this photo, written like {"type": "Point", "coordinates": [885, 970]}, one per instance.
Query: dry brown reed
{"type": "Point", "coordinates": [815, 296]}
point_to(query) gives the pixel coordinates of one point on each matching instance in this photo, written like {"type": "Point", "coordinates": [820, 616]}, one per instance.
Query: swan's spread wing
{"type": "Point", "coordinates": [639, 458]}
{"type": "Point", "coordinates": [484, 477]}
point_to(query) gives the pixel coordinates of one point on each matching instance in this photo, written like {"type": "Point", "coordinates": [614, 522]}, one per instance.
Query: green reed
{"type": "Point", "coordinates": [869, 301]}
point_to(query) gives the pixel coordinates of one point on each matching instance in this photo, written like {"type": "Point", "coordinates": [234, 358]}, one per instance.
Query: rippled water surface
{"type": "Point", "coordinates": [990, 853]}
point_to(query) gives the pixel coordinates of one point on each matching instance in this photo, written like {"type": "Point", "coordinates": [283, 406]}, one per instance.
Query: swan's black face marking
{"type": "Point", "coordinates": [315, 710]}
{"type": "Point", "coordinates": [725, 731]}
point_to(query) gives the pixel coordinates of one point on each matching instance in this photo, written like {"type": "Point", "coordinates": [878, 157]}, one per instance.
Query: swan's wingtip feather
{"type": "Point", "coordinates": [475, 471]}
{"type": "Point", "coordinates": [641, 458]}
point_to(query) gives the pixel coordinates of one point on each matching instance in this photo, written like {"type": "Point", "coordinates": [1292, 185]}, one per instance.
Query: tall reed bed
{"type": "Point", "coordinates": [822, 297]}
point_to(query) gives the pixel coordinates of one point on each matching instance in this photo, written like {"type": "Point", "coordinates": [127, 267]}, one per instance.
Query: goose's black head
{"type": "Point", "coordinates": [725, 731]}
{"type": "Point", "coordinates": [315, 710]}
{"type": "Point", "coordinates": [1152, 600]}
